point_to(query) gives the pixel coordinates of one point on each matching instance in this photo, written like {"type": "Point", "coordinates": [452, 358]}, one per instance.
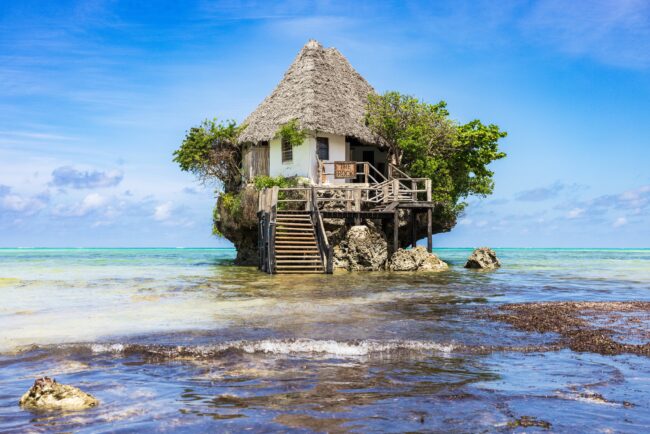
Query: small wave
{"type": "Point", "coordinates": [274, 346]}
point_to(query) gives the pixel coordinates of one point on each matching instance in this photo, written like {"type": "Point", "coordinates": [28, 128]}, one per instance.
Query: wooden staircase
{"type": "Point", "coordinates": [296, 245]}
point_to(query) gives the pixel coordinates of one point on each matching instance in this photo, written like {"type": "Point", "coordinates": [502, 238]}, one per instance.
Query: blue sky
{"type": "Point", "coordinates": [96, 95]}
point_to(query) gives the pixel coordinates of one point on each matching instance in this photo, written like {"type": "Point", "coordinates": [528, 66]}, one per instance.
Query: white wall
{"type": "Point", "coordinates": [338, 152]}
{"type": "Point", "coordinates": [304, 157]}
{"type": "Point", "coordinates": [304, 161]}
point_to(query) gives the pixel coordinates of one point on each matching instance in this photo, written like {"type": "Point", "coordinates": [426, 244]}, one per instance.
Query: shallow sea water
{"type": "Point", "coordinates": [182, 340]}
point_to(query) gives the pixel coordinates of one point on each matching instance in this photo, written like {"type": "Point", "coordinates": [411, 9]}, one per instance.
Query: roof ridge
{"type": "Point", "coordinates": [322, 90]}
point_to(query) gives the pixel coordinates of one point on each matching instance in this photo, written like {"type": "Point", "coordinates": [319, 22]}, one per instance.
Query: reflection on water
{"type": "Point", "coordinates": [172, 339]}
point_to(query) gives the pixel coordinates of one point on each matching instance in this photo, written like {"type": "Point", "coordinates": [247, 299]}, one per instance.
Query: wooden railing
{"type": "Point", "coordinates": [324, 247]}
{"type": "Point", "coordinates": [367, 172]}
{"type": "Point", "coordinates": [266, 239]}
{"type": "Point", "coordinates": [347, 197]}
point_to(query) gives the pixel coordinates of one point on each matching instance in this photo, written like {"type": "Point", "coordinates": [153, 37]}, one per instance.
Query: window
{"type": "Point", "coordinates": [323, 148]}
{"type": "Point", "coordinates": [287, 152]}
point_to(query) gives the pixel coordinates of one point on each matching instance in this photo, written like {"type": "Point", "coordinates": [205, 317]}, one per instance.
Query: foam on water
{"type": "Point", "coordinates": [278, 347]}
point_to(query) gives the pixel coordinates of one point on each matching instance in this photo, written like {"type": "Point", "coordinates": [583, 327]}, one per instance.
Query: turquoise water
{"type": "Point", "coordinates": [172, 339]}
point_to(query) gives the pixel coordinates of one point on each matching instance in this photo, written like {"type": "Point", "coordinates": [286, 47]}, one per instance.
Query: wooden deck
{"type": "Point", "coordinates": [291, 219]}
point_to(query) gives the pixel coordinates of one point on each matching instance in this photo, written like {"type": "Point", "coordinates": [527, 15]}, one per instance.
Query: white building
{"type": "Point", "coordinates": [328, 98]}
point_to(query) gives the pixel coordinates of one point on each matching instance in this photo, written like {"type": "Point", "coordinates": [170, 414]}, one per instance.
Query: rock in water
{"type": "Point", "coordinates": [47, 394]}
{"type": "Point", "coordinates": [363, 249]}
{"type": "Point", "coordinates": [483, 258]}
{"type": "Point", "coordinates": [417, 259]}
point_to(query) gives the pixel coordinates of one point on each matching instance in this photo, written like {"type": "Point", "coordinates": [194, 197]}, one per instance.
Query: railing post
{"type": "Point", "coordinates": [274, 195]}
{"type": "Point", "coordinates": [365, 171]}
{"type": "Point", "coordinates": [414, 193]}
{"type": "Point", "coordinates": [427, 187]}
{"type": "Point", "coordinates": [357, 200]}
{"type": "Point", "coordinates": [384, 190]}
{"type": "Point", "coordinates": [395, 189]}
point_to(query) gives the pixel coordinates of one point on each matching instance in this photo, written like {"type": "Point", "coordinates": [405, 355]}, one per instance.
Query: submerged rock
{"type": "Point", "coordinates": [417, 259]}
{"type": "Point", "coordinates": [47, 394]}
{"type": "Point", "coordinates": [363, 249]}
{"type": "Point", "coordinates": [483, 258]}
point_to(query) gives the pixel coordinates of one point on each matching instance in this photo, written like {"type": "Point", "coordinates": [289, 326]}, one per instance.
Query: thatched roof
{"type": "Point", "coordinates": [320, 89]}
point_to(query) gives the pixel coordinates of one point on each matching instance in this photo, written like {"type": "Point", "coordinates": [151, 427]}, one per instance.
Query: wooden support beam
{"type": "Point", "coordinates": [395, 231]}
{"type": "Point", "coordinates": [429, 230]}
{"type": "Point", "coordinates": [414, 232]}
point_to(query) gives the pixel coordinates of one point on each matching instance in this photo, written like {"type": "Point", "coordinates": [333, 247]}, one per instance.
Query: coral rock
{"type": "Point", "coordinates": [47, 394]}
{"type": "Point", "coordinates": [417, 259]}
{"type": "Point", "coordinates": [483, 258]}
{"type": "Point", "coordinates": [363, 249]}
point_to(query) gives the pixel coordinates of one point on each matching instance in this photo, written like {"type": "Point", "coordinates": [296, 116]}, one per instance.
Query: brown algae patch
{"type": "Point", "coordinates": [597, 327]}
{"type": "Point", "coordinates": [529, 421]}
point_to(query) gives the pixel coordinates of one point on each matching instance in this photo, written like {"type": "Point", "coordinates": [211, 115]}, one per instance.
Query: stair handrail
{"type": "Point", "coordinates": [324, 246]}
{"type": "Point", "coordinates": [271, 237]}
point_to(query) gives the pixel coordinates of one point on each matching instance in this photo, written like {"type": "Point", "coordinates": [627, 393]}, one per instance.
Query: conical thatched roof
{"type": "Point", "coordinates": [322, 91]}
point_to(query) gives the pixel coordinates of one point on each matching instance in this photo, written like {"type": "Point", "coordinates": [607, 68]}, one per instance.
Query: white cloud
{"type": "Point", "coordinates": [621, 221]}
{"type": "Point", "coordinates": [163, 212]}
{"type": "Point", "coordinates": [93, 202]}
{"type": "Point", "coordinates": [21, 204]}
{"type": "Point", "coordinates": [575, 213]}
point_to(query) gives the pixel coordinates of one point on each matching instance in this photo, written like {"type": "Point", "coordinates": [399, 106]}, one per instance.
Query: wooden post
{"type": "Point", "coordinates": [384, 190]}
{"type": "Point", "coordinates": [414, 194]}
{"type": "Point", "coordinates": [357, 199]}
{"type": "Point", "coordinates": [308, 196]}
{"type": "Point", "coordinates": [365, 171]}
{"type": "Point", "coordinates": [395, 231]}
{"type": "Point", "coordinates": [414, 232]}
{"type": "Point", "coordinates": [429, 230]}
{"type": "Point", "coordinates": [427, 187]}
{"type": "Point", "coordinates": [274, 196]}
{"type": "Point", "coordinates": [395, 189]}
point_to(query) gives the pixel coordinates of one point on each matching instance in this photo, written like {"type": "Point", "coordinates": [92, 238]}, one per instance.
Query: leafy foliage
{"type": "Point", "coordinates": [262, 181]}
{"type": "Point", "coordinates": [424, 142]}
{"type": "Point", "coordinates": [291, 133]}
{"type": "Point", "coordinates": [210, 151]}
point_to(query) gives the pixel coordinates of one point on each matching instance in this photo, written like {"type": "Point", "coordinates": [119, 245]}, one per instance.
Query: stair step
{"type": "Point", "coordinates": [294, 267]}
{"type": "Point", "coordinates": [295, 260]}
{"type": "Point", "coordinates": [313, 251]}
{"type": "Point", "coordinates": [296, 225]}
{"type": "Point", "coordinates": [292, 230]}
{"type": "Point", "coordinates": [300, 272]}
{"type": "Point", "coordinates": [296, 242]}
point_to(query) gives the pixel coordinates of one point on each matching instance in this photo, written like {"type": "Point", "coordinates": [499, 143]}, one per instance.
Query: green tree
{"type": "Point", "coordinates": [291, 133]}
{"type": "Point", "coordinates": [211, 152]}
{"type": "Point", "coordinates": [424, 142]}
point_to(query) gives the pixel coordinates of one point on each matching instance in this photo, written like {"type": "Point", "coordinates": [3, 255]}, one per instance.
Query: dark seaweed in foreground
{"type": "Point", "coordinates": [585, 326]}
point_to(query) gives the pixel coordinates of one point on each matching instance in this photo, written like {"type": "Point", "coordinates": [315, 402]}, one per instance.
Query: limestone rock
{"type": "Point", "coordinates": [483, 258]}
{"type": "Point", "coordinates": [363, 249]}
{"type": "Point", "coordinates": [47, 394]}
{"type": "Point", "coordinates": [417, 259]}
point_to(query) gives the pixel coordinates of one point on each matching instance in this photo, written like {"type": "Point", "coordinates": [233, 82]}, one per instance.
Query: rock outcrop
{"type": "Point", "coordinates": [417, 259]}
{"type": "Point", "coordinates": [46, 394]}
{"type": "Point", "coordinates": [364, 248]}
{"type": "Point", "coordinates": [483, 258]}
{"type": "Point", "coordinates": [236, 219]}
